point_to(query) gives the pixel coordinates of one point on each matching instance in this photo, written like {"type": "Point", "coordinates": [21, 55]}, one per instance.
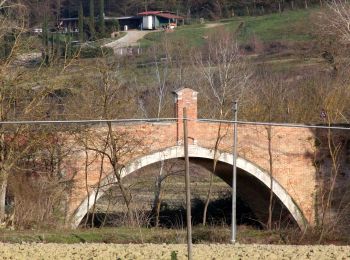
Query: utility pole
{"type": "Point", "coordinates": [234, 176]}
{"type": "Point", "coordinates": [188, 192]}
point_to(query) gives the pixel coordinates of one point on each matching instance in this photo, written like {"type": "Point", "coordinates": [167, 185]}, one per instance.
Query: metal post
{"type": "Point", "coordinates": [188, 193]}
{"type": "Point", "coordinates": [234, 176]}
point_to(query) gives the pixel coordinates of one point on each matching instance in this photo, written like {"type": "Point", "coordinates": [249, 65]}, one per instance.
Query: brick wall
{"type": "Point", "coordinates": [292, 151]}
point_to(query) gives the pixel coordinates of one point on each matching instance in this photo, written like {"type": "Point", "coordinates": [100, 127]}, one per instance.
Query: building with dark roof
{"type": "Point", "coordinates": [129, 22]}
{"type": "Point", "coordinates": [151, 20]}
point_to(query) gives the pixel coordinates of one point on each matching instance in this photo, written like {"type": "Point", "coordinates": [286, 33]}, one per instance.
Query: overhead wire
{"type": "Point", "coordinates": [165, 120]}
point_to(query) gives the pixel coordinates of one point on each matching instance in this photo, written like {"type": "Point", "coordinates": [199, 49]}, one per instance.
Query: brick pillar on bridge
{"type": "Point", "coordinates": [186, 97]}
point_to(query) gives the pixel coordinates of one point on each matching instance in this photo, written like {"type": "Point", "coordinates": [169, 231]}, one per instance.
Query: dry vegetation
{"type": "Point", "coordinates": [149, 251]}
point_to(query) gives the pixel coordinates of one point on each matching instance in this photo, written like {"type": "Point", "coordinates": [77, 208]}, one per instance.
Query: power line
{"type": "Point", "coordinates": [165, 120]}
{"type": "Point", "coordinates": [276, 124]}
{"type": "Point", "coordinates": [86, 122]}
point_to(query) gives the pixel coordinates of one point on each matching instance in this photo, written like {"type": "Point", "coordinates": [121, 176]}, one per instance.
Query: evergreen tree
{"type": "Point", "coordinates": [69, 45]}
{"type": "Point", "coordinates": [92, 20]}
{"type": "Point", "coordinates": [58, 47]}
{"type": "Point", "coordinates": [116, 26]}
{"type": "Point", "coordinates": [81, 22]}
{"type": "Point", "coordinates": [101, 19]}
{"type": "Point", "coordinates": [6, 44]}
{"type": "Point", "coordinates": [45, 38]}
{"type": "Point", "coordinates": [45, 32]}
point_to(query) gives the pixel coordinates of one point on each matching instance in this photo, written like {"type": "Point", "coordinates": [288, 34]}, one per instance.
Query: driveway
{"type": "Point", "coordinates": [130, 39]}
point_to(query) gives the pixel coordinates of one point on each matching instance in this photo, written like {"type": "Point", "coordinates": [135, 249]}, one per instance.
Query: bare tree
{"type": "Point", "coordinates": [10, 38]}
{"type": "Point", "coordinates": [38, 182]}
{"type": "Point", "coordinates": [152, 103]}
{"type": "Point", "coordinates": [120, 145]}
{"type": "Point", "coordinates": [271, 199]}
{"type": "Point", "coordinates": [168, 68]}
{"type": "Point", "coordinates": [166, 170]}
{"type": "Point", "coordinates": [24, 94]}
{"type": "Point", "coordinates": [111, 145]}
{"type": "Point", "coordinates": [338, 18]}
{"type": "Point", "coordinates": [224, 72]}
{"type": "Point", "coordinates": [161, 75]}
{"type": "Point", "coordinates": [269, 97]}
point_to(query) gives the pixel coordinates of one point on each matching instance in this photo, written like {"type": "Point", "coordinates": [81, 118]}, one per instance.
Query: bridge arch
{"type": "Point", "coordinates": [194, 152]}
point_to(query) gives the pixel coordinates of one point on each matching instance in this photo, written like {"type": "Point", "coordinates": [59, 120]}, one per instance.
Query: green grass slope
{"type": "Point", "coordinates": [191, 34]}
{"type": "Point", "coordinates": [287, 26]}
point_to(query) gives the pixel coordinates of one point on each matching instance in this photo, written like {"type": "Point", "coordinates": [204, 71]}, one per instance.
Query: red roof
{"type": "Point", "coordinates": [150, 13]}
{"type": "Point", "coordinates": [164, 14]}
{"type": "Point", "coordinates": [170, 16]}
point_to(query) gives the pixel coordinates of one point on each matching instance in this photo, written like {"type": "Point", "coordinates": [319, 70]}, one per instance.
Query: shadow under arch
{"type": "Point", "coordinates": [194, 152]}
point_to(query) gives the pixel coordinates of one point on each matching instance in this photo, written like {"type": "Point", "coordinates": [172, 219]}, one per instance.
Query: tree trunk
{"type": "Point", "coordinates": [158, 195]}
{"type": "Point", "coordinates": [101, 22]}
{"type": "Point", "coordinates": [126, 195]}
{"type": "Point", "coordinates": [3, 175]}
{"type": "Point", "coordinates": [188, 15]}
{"type": "Point", "coordinates": [81, 22]}
{"type": "Point", "coordinates": [247, 11]}
{"type": "Point", "coordinates": [207, 201]}
{"type": "Point", "coordinates": [216, 150]}
{"type": "Point", "coordinates": [97, 191]}
{"type": "Point", "coordinates": [86, 184]}
{"type": "Point", "coordinates": [3, 189]}
{"type": "Point", "coordinates": [127, 199]}
{"type": "Point", "coordinates": [262, 10]}
{"type": "Point", "coordinates": [92, 20]}
{"type": "Point", "coordinates": [106, 213]}
{"type": "Point", "coordinates": [327, 208]}
{"type": "Point", "coordinates": [279, 7]}
{"type": "Point", "coordinates": [269, 137]}
{"type": "Point", "coordinates": [116, 170]}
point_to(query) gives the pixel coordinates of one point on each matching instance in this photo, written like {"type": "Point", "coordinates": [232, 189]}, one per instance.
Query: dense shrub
{"type": "Point", "coordinates": [92, 51]}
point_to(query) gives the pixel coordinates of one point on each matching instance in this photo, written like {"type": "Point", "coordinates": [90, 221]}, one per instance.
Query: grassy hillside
{"type": "Point", "coordinates": [191, 34]}
{"type": "Point", "coordinates": [288, 26]}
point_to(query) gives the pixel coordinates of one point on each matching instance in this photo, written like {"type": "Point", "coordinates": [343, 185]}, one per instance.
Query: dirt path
{"type": "Point", "coordinates": [213, 25]}
{"type": "Point", "coordinates": [130, 39]}
{"type": "Point", "coordinates": [163, 251]}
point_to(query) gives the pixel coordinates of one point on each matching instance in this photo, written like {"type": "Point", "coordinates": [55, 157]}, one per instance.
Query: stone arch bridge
{"type": "Point", "coordinates": [142, 144]}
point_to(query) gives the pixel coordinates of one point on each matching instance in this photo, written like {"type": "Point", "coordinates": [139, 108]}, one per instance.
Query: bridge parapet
{"type": "Point", "coordinates": [186, 97]}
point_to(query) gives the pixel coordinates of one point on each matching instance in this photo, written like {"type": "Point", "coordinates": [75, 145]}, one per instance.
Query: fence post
{"type": "Point", "coordinates": [188, 192]}
{"type": "Point", "coordinates": [234, 176]}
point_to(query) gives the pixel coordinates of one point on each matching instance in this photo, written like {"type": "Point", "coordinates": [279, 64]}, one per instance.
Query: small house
{"type": "Point", "coordinates": [153, 20]}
